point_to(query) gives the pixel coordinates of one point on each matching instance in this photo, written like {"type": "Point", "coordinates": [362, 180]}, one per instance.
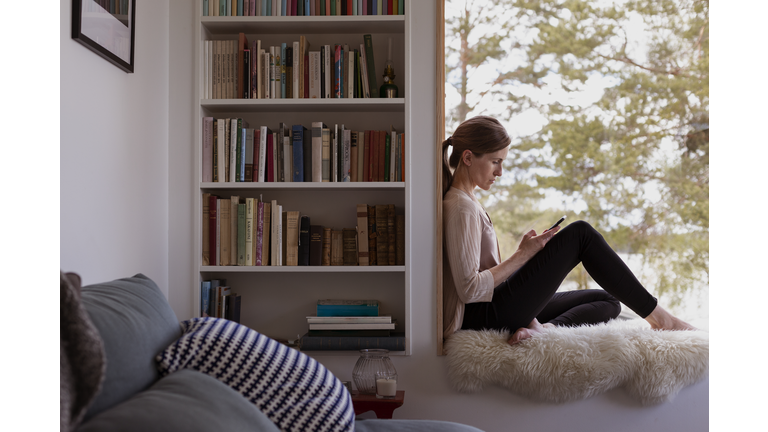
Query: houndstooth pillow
{"type": "Point", "coordinates": [296, 392]}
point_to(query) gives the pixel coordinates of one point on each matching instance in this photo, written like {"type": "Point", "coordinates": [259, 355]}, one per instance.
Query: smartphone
{"type": "Point", "coordinates": [557, 223]}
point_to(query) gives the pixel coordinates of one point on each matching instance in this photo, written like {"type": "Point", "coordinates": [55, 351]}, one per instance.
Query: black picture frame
{"type": "Point", "coordinates": [106, 27]}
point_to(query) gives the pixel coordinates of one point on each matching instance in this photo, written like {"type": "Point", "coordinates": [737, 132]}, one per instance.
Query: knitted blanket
{"type": "Point", "coordinates": [83, 362]}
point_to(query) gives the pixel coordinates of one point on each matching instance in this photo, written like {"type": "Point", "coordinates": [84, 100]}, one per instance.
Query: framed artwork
{"type": "Point", "coordinates": [106, 27]}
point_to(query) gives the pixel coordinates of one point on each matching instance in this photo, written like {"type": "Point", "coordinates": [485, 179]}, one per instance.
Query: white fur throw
{"type": "Point", "coordinates": [565, 364]}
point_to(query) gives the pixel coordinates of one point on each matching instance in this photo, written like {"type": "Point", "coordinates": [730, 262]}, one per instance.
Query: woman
{"type": "Point", "coordinates": [519, 293]}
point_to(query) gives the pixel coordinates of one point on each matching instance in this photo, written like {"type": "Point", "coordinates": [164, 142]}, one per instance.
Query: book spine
{"type": "Point", "coordinates": [315, 245]}
{"type": "Point", "coordinates": [304, 232]}
{"type": "Point", "coordinates": [248, 247]}
{"type": "Point", "coordinates": [326, 247]}
{"type": "Point", "coordinates": [387, 153]}
{"type": "Point", "coordinates": [233, 234]}
{"type": "Point", "coordinates": [345, 170]}
{"type": "Point", "coordinates": [291, 245]}
{"type": "Point", "coordinates": [349, 244]}
{"type": "Point", "coordinates": [224, 231]}
{"type": "Point", "coordinates": [206, 240]}
{"type": "Point", "coordinates": [382, 237]}
{"type": "Point", "coordinates": [353, 157]}
{"type": "Point", "coordinates": [362, 234]}
{"type": "Point", "coordinates": [326, 156]}
{"type": "Point", "coordinates": [391, 235]}
{"type": "Point", "coordinates": [314, 74]}
{"type": "Point", "coordinates": [258, 234]}
{"type": "Point", "coordinates": [307, 154]}
{"type": "Point", "coordinates": [205, 295]}
{"type": "Point", "coordinates": [212, 207]}
{"type": "Point", "coordinates": [296, 70]}
{"type": "Point", "coordinates": [207, 175]}
{"type": "Point", "coordinates": [347, 310]}
{"type": "Point", "coordinates": [372, 247]}
{"type": "Point", "coordinates": [337, 93]}
{"type": "Point", "coordinates": [243, 230]}
{"type": "Point", "coordinates": [283, 68]}
{"type": "Point", "coordinates": [298, 151]}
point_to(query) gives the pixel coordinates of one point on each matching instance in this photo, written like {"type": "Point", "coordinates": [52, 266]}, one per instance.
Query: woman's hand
{"type": "Point", "coordinates": [531, 243]}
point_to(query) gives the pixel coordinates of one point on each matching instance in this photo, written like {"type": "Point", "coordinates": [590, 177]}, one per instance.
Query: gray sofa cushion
{"type": "Point", "coordinates": [135, 322]}
{"type": "Point", "coordinates": [186, 401]}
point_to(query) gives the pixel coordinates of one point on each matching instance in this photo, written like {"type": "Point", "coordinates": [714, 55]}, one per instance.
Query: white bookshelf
{"type": "Point", "coordinates": [277, 299]}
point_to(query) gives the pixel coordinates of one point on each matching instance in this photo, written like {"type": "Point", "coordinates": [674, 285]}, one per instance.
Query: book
{"type": "Point", "coordinates": [326, 154]}
{"type": "Point", "coordinates": [307, 154]}
{"type": "Point", "coordinates": [212, 223]}
{"type": "Point", "coordinates": [400, 248]}
{"type": "Point", "coordinates": [291, 229]}
{"type": "Point", "coordinates": [345, 159]}
{"type": "Point", "coordinates": [248, 163]}
{"type": "Point", "coordinates": [382, 235]}
{"type": "Point", "coordinates": [352, 326]}
{"type": "Point", "coordinates": [372, 247]}
{"type": "Point", "coordinates": [381, 319]}
{"type": "Point", "coordinates": [315, 245]}
{"type": "Point", "coordinates": [326, 260]}
{"type": "Point", "coordinates": [337, 248]}
{"type": "Point", "coordinates": [206, 240]}
{"type": "Point", "coordinates": [317, 151]}
{"type": "Point", "coordinates": [350, 333]}
{"type": "Point", "coordinates": [207, 174]}
{"type": "Point", "coordinates": [249, 211]}
{"type": "Point", "coordinates": [205, 296]}
{"type": "Point", "coordinates": [314, 74]}
{"type": "Point", "coordinates": [289, 72]}
{"type": "Point", "coordinates": [303, 66]}
{"type": "Point", "coordinates": [304, 240]}
{"type": "Point", "coordinates": [242, 48]}
{"type": "Point", "coordinates": [286, 154]}
{"type": "Point", "coordinates": [336, 307]}
{"type": "Point", "coordinates": [353, 156]}
{"type": "Point", "coordinates": [349, 245]}
{"type": "Point", "coordinates": [257, 233]}
{"type": "Point", "coordinates": [370, 65]}
{"type": "Point", "coordinates": [223, 292]}
{"type": "Point", "coordinates": [362, 234]}
{"type": "Point", "coordinates": [391, 235]}
{"type": "Point", "coordinates": [241, 235]}
{"type": "Point", "coordinates": [234, 200]}
{"type": "Point", "coordinates": [296, 70]}
{"type": "Point", "coordinates": [275, 254]}
{"type": "Point", "coordinates": [212, 301]}
{"type": "Point", "coordinates": [298, 153]}
{"type": "Point", "coordinates": [395, 342]}
{"type": "Point", "coordinates": [224, 230]}
{"type": "Point", "coordinates": [233, 307]}
{"type": "Point", "coordinates": [267, 230]}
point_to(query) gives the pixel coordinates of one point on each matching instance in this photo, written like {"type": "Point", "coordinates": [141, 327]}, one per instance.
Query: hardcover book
{"type": "Point", "coordinates": [206, 246]}
{"type": "Point", "coordinates": [382, 236]}
{"type": "Point", "coordinates": [291, 229]}
{"type": "Point", "coordinates": [298, 153]}
{"type": "Point", "coordinates": [362, 234]}
{"type": "Point", "coordinates": [318, 170]}
{"type": "Point", "coordinates": [349, 244]}
{"type": "Point", "coordinates": [337, 248]}
{"type": "Point", "coordinates": [315, 245]}
{"type": "Point", "coordinates": [326, 247]}
{"type": "Point", "coordinates": [391, 235]}
{"type": "Point", "coordinates": [381, 319]}
{"type": "Point", "coordinates": [242, 230]}
{"type": "Point", "coordinates": [304, 240]}
{"type": "Point", "coordinates": [395, 342]}
{"type": "Point", "coordinates": [333, 307]}
{"type": "Point", "coordinates": [372, 247]}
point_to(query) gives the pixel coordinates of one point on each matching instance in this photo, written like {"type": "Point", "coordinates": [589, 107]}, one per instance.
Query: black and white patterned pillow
{"type": "Point", "coordinates": [296, 392]}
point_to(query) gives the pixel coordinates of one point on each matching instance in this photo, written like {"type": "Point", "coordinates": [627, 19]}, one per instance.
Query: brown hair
{"type": "Point", "coordinates": [480, 135]}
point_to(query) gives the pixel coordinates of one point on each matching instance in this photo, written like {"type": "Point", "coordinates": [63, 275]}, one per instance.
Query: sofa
{"type": "Point", "coordinates": [115, 337]}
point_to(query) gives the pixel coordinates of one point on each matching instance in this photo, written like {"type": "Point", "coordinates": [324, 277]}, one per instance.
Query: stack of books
{"type": "Point", "coordinates": [351, 325]}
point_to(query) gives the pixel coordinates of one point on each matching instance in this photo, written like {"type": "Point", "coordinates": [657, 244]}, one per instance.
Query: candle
{"type": "Point", "coordinates": [386, 387]}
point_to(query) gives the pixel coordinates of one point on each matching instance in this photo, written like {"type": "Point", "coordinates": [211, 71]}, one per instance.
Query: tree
{"type": "Point", "coordinates": [637, 157]}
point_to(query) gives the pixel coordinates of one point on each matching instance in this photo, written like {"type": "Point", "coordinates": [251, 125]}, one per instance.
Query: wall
{"type": "Point", "coordinates": [114, 155]}
{"type": "Point", "coordinates": [423, 374]}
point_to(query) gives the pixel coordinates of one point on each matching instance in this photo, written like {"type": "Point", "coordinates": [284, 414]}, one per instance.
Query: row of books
{"type": "Point", "coordinates": [351, 325]}
{"type": "Point", "coordinates": [253, 232]}
{"type": "Point", "coordinates": [302, 7]}
{"type": "Point", "coordinates": [235, 69]}
{"type": "Point", "coordinates": [218, 300]}
{"type": "Point", "coordinates": [234, 152]}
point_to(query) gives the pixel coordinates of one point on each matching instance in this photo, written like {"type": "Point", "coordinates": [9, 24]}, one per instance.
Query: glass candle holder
{"type": "Point", "coordinates": [371, 362]}
{"type": "Point", "coordinates": [386, 385]}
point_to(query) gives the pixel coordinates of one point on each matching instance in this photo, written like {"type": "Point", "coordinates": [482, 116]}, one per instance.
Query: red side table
{"type": "Point", "coordinates": [383, 408]}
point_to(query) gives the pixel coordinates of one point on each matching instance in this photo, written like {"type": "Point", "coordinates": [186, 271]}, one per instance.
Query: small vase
{"type": "Point", "coordinates": [371, 362]}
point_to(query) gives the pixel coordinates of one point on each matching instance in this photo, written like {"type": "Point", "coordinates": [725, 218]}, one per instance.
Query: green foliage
{"type": "Point", "coordinates": [637, 159]}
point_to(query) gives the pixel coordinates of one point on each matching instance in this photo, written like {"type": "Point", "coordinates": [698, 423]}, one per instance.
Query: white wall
{"type": "Point", "coordinates": [140, 240]}
{"type": "Point", "coordinates": [114, 155]}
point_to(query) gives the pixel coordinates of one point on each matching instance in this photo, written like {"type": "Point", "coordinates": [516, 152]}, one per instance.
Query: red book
{"type": "Point", "coordinates": [389, 8]}
{"type": "Point", "coordinates": [269, 175]}
{"type": "Point", "coordinates": [350, 7]}
{"type": "Point", "coordinates": [212, 228]}
{"type": "Point", "coordinates": [382, 154]}
{"type": "Point", "coordinates": [256, 135]}
{"type": "Point", "coordinates": [294, 8]}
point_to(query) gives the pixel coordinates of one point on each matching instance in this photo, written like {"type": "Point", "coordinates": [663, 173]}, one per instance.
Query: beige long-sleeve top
{"type": "Point", "coordinates": [470, 249]}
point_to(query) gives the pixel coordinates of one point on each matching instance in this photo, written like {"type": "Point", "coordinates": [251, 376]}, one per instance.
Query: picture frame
{"type": "Point", "coordinates": [108, 28]}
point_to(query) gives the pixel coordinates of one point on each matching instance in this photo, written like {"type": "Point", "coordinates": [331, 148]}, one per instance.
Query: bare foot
{"type": "Point", "coordinates": [660, 319]}
{"type": "Point", "coordinates": [524, 333]}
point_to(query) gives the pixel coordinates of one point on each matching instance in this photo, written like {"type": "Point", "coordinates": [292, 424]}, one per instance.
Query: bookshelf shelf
{"type": "Point", "coordinates": [286, 25]}
{"type": "Point", "coordinates": [277, 299]}
{"type": "Point", "coordinates": [362, 186]}
{"type": "Point", "coordinates": [216, 106]}
{"type": "Point", "coordinates": [302, 269]}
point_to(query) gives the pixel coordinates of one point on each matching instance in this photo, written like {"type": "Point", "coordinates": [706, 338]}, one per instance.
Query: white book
{"type": "Point", "coordinates": [296, 71]}
{"type": "Point", "coordinates": [352, 326]}
{"type": "Point", "coordinates": [249, 224]}
{"type": "Point", "coordinates": [262, 151]}
{"type": "Point", "coordinates": [383, 319]}
{"type": "Point", "coordinates": [317, 151]}
{"type": "Point", "coordinates": [221, 145]}
{"type": "Point", "coordinates": [314, 74]}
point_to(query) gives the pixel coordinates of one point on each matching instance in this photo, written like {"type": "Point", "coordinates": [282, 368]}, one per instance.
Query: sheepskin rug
{"type": "Point", "coordinates": [570, 363]}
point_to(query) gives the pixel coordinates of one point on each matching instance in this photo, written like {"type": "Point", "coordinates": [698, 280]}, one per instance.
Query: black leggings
{"type": "Point", "coordinates": [530, 292]}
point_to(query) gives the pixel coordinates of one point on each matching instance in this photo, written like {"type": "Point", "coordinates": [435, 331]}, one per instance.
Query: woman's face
{"type": "Point", "coordinates": [484, 169]}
